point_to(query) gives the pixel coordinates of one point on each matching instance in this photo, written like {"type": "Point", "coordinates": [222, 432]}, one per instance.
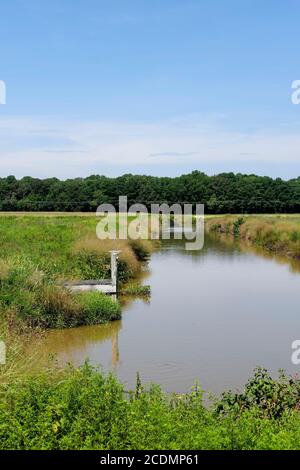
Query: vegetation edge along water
{"type": "Point", "coordinates": [274, 234]}
{"type": "Point", "coordinates": [65, 248]}
{"type": "Point", "coordinates": [85, 409]}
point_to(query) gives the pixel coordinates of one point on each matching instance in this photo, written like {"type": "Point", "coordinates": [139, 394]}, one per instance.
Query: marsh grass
{"type": "Point", "coordinates": [277, 234]}
{"type": "Point", "coordinates": [136, 290]}
{"type": "Point", "coordinates": [27, 295]}
{"type": "Point", "coordinates": [17, 336]}
{"type": "Point", "coordinates": [38, 253]}
{"type": "Point", "coordinates": [93, 258]}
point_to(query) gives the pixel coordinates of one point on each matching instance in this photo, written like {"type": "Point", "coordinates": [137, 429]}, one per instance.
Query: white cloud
{"type": "Point", "coordinates": [49, 146]}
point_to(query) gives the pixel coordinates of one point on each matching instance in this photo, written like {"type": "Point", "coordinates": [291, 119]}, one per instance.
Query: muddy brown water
{"type": "Point", "coordinates": [213, 316]}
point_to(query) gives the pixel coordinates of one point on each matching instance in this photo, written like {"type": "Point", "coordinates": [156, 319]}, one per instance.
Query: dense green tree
{"type": "Point", "coordinates": [223, 193]}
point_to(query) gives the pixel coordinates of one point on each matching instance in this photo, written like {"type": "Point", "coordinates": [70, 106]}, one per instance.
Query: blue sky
{"type": "Point", "coordinates": [159, 87]}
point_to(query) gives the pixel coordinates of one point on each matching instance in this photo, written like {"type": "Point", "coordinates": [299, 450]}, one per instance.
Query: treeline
{"type": "Point", "coordinates": [223, 193]}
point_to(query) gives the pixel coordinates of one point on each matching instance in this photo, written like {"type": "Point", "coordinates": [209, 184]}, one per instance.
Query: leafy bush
{"type": "Point", "coordinates": [84, 409]}
{"type": "Point", "coordinates": [236, 226]}
{"type": "Point", "coordinates": [272, 398]}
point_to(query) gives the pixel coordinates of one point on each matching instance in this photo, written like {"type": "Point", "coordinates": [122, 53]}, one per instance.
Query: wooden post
{"type": "Point", "coordinates": [2, 353]}
{"type": "Point", "coordinates": [114, 268]}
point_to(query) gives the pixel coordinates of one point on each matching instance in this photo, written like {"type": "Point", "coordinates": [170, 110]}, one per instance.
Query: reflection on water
{"type": "Point", "coordinates": [75, 344]}
{"type": "Point", "coordinates": [214, 315]}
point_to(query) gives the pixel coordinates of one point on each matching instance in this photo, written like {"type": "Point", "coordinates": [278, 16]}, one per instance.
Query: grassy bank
{"type": "Point", "coordinates": [276, 234]}
{"type": "Point", "coordinates": [39, 253]}
{"type": "Point", "coordinates": [83, 409]}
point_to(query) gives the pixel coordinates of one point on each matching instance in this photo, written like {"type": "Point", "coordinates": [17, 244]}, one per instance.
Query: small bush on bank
{"type": "Point", "coordinates": [136, 290]}
{"type": "Point", "coordinates": [98, 308]}
{"type": "Point", "coordinates": [271, 398]}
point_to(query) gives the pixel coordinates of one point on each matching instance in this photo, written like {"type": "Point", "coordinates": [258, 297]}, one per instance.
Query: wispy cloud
{"type": "Point", "coordinates": [249, 154]}
{"type": "Point", "coordinates": [172, 154]}
{"type": "Point", "coordinates": [66, 151]}
{"type": "Point", "coordinates": [55, 147]}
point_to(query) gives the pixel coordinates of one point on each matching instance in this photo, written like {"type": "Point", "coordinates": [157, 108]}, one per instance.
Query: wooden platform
{"type": "Point", "coordinates": [99, 285]}
{"type": "Point", "coordinates": [107, 286]}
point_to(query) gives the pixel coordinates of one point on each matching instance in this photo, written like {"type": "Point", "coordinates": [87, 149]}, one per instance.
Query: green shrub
{"type": "Point", "coordinates": [84, 409]}
{"type": "Point", "coordinates": [268, 396]}
{"type": "Point", "coordinates": [136, 290]}
{"type": "Point", "coordinates": [295, 236]}
{"type": "Point", "coordinates": [98, 308]}
{"type": "Point", "coordinates": [236, 226]}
